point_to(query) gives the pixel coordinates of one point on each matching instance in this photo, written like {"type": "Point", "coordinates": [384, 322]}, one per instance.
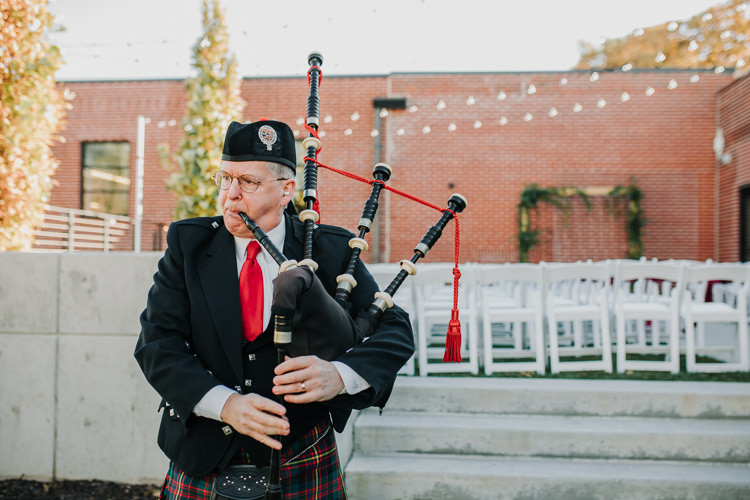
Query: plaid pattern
{"type": "Point", "coordinates": [310, 469]}
{"type": "Point", "coordinates": [180, 486]}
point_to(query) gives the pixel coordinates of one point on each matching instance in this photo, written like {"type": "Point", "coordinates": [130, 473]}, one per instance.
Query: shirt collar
{"type": "Point", "coordinates": [275, 235]}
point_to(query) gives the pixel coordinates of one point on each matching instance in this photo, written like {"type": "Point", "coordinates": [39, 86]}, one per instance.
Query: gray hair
{"type": "Point", "coordinates": [279, 171]}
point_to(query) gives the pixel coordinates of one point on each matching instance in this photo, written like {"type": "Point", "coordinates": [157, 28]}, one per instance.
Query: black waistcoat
{"type": "Point", "coordinates": [259, 360]}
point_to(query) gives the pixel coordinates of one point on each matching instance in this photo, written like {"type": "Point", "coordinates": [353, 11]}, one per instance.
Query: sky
{"type": "Point", "coordinates": [152, 39]}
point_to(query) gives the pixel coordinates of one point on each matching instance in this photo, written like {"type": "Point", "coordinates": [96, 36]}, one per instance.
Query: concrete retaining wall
{"type": "Point", "coordinates": [73, 401]}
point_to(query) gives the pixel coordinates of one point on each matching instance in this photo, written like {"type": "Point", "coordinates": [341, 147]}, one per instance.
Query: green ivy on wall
{"type": "Point", "coordinates": [560, 197]}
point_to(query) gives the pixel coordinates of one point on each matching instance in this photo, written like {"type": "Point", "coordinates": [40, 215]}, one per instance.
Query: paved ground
{"type": "Point", "coordinates": [21, 489]}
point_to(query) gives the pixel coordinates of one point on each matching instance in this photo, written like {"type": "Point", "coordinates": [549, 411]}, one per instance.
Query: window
{"type": "Point", "coordinates": [105, 185]}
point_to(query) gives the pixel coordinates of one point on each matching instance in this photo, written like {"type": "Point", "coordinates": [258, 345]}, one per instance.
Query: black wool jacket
{"type": "Point", "coordinates": [190, 338]}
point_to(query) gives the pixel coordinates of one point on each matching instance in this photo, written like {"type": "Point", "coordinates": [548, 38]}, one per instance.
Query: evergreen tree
{"type": "Point", "coordinates": [716, 38]}
{"type": "Point", "coordinates": [214, 101]}
{"type": "Point", "coordinates": [32, 109]}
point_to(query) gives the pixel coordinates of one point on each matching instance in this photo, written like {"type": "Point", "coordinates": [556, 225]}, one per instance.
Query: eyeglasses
{"type": "Point", "coordinates": [247, 183]}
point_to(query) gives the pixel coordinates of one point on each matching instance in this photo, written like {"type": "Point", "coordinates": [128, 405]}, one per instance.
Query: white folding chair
{"type": "Point", "coordinates": [584, 310]}
{"type": "Point", "coordinates": [731, 344]}
{"type": "Point", "coordinates": [512, 318]}
{"type": "Point", "coordinates": [404, 298]}
{"type": "Point", "coordinates": [433, 291]}
{"type": "Point", "coordinates": [639, 300]}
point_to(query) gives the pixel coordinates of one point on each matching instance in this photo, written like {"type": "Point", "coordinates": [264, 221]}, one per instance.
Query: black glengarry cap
{"type": "Point", "coordinates": [265, 140]}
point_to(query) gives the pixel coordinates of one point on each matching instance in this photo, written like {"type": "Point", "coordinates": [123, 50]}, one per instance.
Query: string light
{"type": "Point", "coordinates": [477, 123]}
{"type": "Point", "coordinates": [528, 116]}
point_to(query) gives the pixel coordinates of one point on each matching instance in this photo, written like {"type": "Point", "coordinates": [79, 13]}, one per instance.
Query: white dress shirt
{"type": "Point", "coordinates": [213, 401]}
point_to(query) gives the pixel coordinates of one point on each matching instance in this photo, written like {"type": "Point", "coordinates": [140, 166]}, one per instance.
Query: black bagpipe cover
{"type": "Point", "coordinates": [320, 325]}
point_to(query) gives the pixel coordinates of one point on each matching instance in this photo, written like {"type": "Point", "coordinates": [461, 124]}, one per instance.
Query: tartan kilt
{"type": "Point", "coordinates": [310, 469]}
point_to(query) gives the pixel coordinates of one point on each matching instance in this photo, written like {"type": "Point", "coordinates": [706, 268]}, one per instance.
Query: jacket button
{"type": "Point", "coordinates": [248, 383]}
{"type": "Point", "coordinates": [227, 430]}
{"type": "Point", "coordinates": [251, 357]}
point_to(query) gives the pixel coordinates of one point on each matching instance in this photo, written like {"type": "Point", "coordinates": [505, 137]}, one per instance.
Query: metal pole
{"type": "Point", "coordinates": [139, 148]}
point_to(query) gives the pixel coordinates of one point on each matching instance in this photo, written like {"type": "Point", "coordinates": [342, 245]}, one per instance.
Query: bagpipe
{"type": "Point", "coordinates": [307, 319]}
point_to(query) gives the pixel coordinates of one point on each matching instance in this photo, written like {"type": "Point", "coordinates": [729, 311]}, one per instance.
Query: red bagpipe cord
{"type": "Point", "coordinates": [453, 339]}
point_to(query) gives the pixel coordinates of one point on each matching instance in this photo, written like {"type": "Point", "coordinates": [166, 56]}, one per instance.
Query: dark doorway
{"type": "Point", "coordinates": [745, 224]}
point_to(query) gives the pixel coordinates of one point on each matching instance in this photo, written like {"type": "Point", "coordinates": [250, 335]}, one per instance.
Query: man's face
{"type": "Point", "coordinates": [265, 206]}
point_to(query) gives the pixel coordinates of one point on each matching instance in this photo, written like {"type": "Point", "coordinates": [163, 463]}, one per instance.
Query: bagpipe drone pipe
{"type": "Point", "coordinates": [307, 319]}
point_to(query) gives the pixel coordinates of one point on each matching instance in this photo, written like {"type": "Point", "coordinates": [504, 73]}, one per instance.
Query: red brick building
{"type": "Point", "coordinates": [486, 136]}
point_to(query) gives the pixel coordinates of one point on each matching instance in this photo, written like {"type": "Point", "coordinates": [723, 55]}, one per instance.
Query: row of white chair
{"type": "Point", "coordinates": [571, 316]}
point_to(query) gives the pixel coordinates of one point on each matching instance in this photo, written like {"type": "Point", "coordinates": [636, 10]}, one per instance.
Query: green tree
{"type": "Point", "coordinates": [717, 37]}
{"type": "Point", "coordinates": [214, 101]}
{"type": "Point", "coordinates": [32, 110]}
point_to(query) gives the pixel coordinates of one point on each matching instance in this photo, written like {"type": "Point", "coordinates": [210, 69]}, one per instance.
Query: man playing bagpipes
{"type": "Point", "coordinates": [207, 339]}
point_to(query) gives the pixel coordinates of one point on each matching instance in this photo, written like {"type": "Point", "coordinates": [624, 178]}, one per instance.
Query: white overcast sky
{"type": "Point", "coordinates": [145, 39]}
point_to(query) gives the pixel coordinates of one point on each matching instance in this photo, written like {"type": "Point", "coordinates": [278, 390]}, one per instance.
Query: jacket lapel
{"type": "Point", "coordinates": [293, 241]}
{"type": "Point", "coordinates": [218, 274]}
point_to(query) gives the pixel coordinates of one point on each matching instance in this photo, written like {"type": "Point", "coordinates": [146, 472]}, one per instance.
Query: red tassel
{"type": "Point", "coordinates": [316, 207]}
{"type": "Point", "coordinates": [453, 339]}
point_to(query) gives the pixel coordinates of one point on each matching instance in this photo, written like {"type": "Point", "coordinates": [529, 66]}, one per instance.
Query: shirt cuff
{"type": "Point", "coordinates": [353, 383]}
{"type": "Point", "coordinates": [213, 401]}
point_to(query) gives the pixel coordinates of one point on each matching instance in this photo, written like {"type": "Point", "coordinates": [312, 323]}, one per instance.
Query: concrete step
{"type": "Point", "coordinates": [412, 476]}
{"type": "Point", "coordinates": [553, 436]}
{"type": "Point", "coordinates": [571, 397]}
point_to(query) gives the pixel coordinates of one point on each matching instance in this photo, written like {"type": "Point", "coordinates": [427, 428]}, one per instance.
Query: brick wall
{"type": "Point", "coordinates": [485, 136]}
{"type": "Point", "coordinates": [734, 119]}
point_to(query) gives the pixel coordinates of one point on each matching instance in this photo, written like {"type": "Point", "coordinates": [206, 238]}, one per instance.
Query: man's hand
{"type": "Point", "coordinates": [307, 379]}
{"type": "Point", "coordinates": [257, 417]}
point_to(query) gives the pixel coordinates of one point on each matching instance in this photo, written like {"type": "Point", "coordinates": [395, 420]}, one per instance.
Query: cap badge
{"type": "Point", "coordinates": [267, 136]}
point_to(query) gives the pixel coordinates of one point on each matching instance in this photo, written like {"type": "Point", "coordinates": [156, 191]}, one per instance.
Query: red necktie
{"type": "Point", "coordinates": [251, 294]}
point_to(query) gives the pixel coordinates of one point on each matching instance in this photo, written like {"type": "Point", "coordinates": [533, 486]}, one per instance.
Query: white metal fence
{"type": "Point", "coordinates": [70, 229]}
